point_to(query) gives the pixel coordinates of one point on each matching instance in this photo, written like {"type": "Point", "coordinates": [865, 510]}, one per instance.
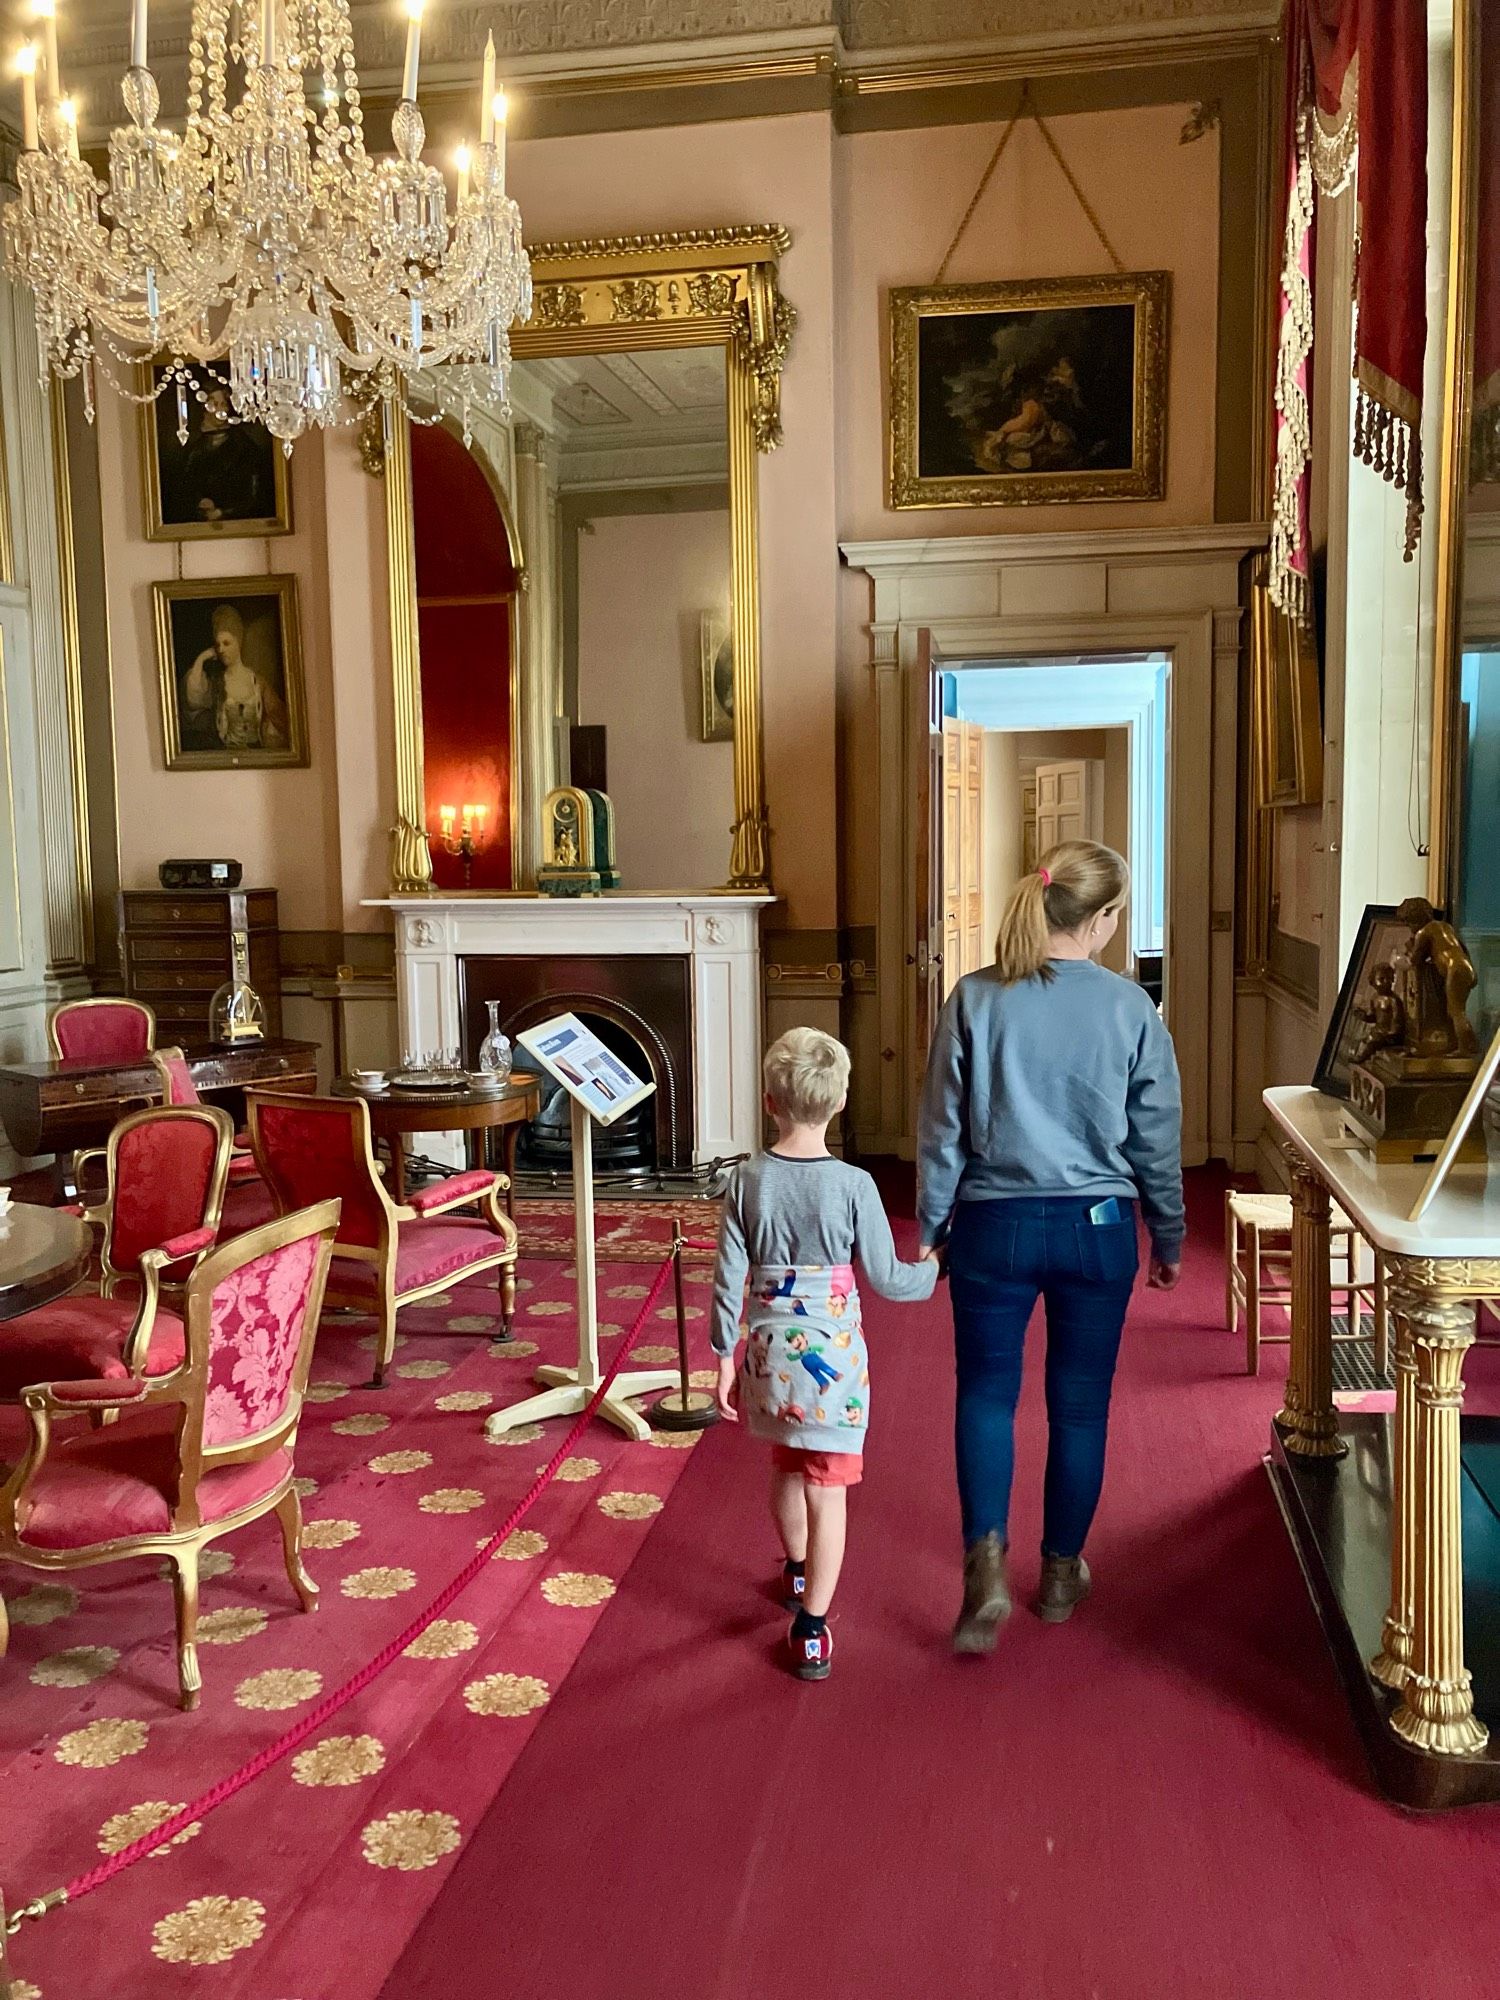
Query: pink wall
{"type": "Point", "coordinates": [639, 674]}
{"type": "Point", "coordinates": [283, 825]}
{"type": "Point", "coordinates": [695, 176]}
{"type": "Point", "coordinates": [898, 198]}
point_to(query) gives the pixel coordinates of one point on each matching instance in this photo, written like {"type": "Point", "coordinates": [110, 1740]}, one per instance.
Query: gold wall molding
{"type": "Point", "coordinates": [411, 858]}
{"type": "Point", "coordinates": [67, 585]}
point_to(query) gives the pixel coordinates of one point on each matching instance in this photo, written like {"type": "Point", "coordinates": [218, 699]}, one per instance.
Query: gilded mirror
{"type": "Point", "coordinates": [643, 389]}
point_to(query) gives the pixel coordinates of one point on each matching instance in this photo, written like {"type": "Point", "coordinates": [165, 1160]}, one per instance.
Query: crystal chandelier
{"type": "Point", "coordinates": [263, 242]}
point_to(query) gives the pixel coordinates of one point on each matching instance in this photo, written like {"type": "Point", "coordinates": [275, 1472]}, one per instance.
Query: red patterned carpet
{"type": "Point", "coordinates": [308, 1884]}
{"type": "Point", "coordinates": [627, 1231]}
{"type": "Point", "coordinates": [1162, 1800]}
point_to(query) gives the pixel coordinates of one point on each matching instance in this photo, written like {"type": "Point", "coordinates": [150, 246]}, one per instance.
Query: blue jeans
{"type": "Point", "coordinates": [1001, 1255]}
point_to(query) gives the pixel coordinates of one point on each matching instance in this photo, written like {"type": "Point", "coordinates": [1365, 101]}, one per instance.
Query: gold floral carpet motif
{"type": "Point", "coordinates": [330, 1857]}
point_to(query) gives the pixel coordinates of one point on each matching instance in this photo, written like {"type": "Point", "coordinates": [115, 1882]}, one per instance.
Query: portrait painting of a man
{"type": "Point", "coordinates": [222, 478]}
{"type": "Point", "coordinates": [231, 673]}
{"type": "Point", "coordinates": [1009, 393]}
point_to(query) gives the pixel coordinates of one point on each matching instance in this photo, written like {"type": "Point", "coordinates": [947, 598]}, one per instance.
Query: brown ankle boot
{"type": "Point", "coordinates": [1065, 1584]}
{"type": "Point", "coordinates": [986, 1597]}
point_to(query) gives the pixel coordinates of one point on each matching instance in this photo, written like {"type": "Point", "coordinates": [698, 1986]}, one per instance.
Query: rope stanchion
{"type": "Point", "coordinates": [236, 1781]}
{"type": "Point", "coordinates": [683, 1408]}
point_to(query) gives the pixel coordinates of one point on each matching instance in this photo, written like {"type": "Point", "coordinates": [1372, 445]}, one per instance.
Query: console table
{"type": "Point", "coordinates": [1378, 1506]}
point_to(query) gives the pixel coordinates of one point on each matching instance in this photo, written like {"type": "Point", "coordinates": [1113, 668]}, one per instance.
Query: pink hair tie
{"type": "Point", "coordinates": [1046, 878]}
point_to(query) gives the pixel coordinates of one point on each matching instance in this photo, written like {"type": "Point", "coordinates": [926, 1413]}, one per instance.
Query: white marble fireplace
{"type": "Point", "coordinates": [716, 935]}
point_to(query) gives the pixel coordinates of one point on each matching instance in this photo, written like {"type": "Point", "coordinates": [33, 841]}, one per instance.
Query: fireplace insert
{"type": "Point", "coordinates": [638, 1006]}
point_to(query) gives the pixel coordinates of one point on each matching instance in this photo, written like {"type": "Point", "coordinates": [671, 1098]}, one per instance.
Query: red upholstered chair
{"type": "Point", "coordinates": [178, 1088]}
{"type": "Point", "coordinates": [386, 1256]}
{"type": "Point", "coordinates": [102, 1029]}
{"type": "Point", "coordinates": [194, 1454]}
{"type": "Point", "coordinates": [166, 1188]}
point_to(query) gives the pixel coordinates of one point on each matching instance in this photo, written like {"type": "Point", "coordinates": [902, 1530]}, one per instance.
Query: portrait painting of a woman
{"type": "Point", "coordinates": [231, 673]}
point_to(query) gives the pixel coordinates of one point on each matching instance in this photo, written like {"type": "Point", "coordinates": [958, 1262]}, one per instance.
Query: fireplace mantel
{"type": "Point", "coordinates": [717, 932]}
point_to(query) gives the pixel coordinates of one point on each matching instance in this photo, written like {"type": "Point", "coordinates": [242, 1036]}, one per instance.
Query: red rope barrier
{"type": "Point", "coordinates": [226, 1788]}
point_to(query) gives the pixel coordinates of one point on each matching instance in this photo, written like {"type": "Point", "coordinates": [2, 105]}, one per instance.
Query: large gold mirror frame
{"type": "Point", "coordinates": [710, 288]}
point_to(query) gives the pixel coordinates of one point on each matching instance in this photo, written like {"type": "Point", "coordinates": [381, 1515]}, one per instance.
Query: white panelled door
{"type": "Point", "coordinates": [1069, 802]}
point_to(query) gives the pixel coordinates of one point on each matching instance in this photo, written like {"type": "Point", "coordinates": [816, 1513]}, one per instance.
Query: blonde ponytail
{"type": "Point", "coordinates": [1073, 882]}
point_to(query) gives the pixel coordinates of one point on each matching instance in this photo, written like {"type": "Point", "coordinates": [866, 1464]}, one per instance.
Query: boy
{"type": "Point", "coordinates": [795, 1220]}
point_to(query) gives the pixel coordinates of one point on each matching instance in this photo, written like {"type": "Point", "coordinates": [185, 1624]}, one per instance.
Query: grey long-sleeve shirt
{"type": "Point", "coordinates": [1065, 1086]}
{"type": "Point", "coordinates": [805, 1212]}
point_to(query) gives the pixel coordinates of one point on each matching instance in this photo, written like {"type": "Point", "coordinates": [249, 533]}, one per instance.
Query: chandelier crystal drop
{"type": "Point", "coordinates": [264, 242]}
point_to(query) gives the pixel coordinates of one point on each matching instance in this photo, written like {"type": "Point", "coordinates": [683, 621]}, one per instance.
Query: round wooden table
{"type": "Point", "coordinates": [395, 1114]}
{"type": "Point", "coordinates": [43, 1253]}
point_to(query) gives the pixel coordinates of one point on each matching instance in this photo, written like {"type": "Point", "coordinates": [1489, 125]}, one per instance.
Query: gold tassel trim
{"type": "Point", "coordinates": [1391, 445]}
{"type": "Point", "coordinates": [1287, 584]}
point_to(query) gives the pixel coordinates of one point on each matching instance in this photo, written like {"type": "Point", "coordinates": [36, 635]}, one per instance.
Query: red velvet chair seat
{"type": "Point", "coordinates": [426, 1254]}
{"type": "Point", "coordinates": [122, 1481]}
{"type": "Point", "coordinates": [242, 1168]}
{"type": "Point", "coordinates": [81, 1336]}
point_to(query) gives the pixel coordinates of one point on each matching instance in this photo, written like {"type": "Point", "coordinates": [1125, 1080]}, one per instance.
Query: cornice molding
{"type": "Point", "coordinates": [911, 554]}
{"type": "Point", "coordinates": [597, 49]}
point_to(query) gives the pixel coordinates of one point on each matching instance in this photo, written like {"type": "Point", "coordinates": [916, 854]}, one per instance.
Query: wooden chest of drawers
{"type": "Point", "coordinates": [175, 953]}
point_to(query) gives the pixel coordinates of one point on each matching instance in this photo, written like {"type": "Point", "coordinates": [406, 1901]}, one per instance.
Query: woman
{"type": "Point", "coordinates": [247, 712]}
{"type": "Point", "coordinates": [1051, 1103]}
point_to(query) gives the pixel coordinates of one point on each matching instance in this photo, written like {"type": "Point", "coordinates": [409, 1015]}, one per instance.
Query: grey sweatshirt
{"type": "Point", "coordinates": [1065, 1086]}
{"type": "Point", "coordinates": [805, 1212]}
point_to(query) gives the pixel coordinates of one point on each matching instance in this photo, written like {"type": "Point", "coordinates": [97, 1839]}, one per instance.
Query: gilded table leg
{"type": "Point", "coordinates": [1392, 1663]}
{"type": "Point", "coordinates": [1436, 1710]}
{"type": "Point", "coordinates": [1308, 1416]}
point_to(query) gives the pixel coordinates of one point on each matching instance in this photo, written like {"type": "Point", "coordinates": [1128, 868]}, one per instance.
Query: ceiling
{"type": "Point", "coordinates": [650, 416]}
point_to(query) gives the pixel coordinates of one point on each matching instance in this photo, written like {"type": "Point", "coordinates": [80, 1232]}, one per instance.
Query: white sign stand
{"type": "Point", "coordinates": [568, 1390]}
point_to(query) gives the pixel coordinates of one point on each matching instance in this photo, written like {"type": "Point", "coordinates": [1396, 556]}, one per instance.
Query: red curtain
{"type": "Point", "coordinates": [1356, 75]}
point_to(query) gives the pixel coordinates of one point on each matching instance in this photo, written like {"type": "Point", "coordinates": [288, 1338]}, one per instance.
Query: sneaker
{"type": "Point", "coordinates": [793, 1586]}
{"type": "Point", "coordinates": [811, 1658]}
{"type": "Point", "coordinates": [1065, 1584]}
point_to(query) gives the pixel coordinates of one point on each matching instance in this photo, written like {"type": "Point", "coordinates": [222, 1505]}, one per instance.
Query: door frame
{"type": "Point", "coordinates": [1051, 596]}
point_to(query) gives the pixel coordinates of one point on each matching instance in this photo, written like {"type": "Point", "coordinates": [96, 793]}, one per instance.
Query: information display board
{"type": "Point", "coordinates": [574, 1056]}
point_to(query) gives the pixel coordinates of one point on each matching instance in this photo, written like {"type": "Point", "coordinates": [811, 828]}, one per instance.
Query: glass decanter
{"type": "Point", "coordinates": [494, 1051]}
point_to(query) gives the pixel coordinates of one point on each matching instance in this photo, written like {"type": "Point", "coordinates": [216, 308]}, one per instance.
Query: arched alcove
{"type": "Point", "coordinates": [466, 587]}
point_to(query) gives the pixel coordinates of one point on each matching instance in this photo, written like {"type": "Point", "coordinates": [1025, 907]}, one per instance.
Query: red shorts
{"type": "Point", "coordinates": [820, 1468]}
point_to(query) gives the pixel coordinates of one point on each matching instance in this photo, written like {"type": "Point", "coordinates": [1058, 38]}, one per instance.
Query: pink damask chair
{"type": "Point", "coordinates": [102, 1029]}
{"type": "Point", "coordinates": [166, 1173]}
{"type": "Point", "coordinates": [192, 1455]}
{"type": "Point", "coordinates": [388, 1255]}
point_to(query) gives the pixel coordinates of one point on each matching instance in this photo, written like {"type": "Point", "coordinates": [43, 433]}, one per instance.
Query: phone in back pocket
{"type": "Point", "coordinates": [1104, 1212]}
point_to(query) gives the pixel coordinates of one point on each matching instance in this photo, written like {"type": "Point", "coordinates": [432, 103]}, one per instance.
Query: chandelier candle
{"type": "Point", "coordinates": [26, 70]}
{"type": "Point", "coordinates": [413, 50]}
{"type": "Point", "coordinates": [46, 13]}
{"type": "Point", "coordinates": [138, 34]}
{"type": "Point", "coordinates": [487, 94]}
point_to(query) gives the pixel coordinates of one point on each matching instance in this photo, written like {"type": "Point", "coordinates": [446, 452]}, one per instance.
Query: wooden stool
{"type": "Point", "coordinates": [1249, 1219]}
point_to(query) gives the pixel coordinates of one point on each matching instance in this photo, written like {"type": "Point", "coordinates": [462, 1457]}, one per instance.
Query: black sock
{"type": "Point", "coordinates": [809, 1624]}
{"type": "Point", "coordinates": [796, 1568]}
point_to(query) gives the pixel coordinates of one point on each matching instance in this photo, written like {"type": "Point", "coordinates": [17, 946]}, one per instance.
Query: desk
{"type": "Point", "coordinates": [43, 1253]}
{"type": "Point", "coordinates": [57, 1107]}
{"type": "Point", "coordinates": [1429, 1746]}
{"type": "Point", "coordinates": [396, 1114]}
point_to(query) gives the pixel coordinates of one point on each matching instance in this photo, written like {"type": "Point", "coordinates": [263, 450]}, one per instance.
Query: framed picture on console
{"type": "Point", "coordinates": [1016, 394]}
{"type": "Point", "coordinates": [229, 656]}
{"type": "Point", "coordinates": [1381, 934]}
{"type": "Point", "coordinates": [221, 478]}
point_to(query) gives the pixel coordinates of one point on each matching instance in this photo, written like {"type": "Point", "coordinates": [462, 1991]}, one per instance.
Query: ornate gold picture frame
{"type": "Point", "coordinates": [227, 480]}
{"type": "Point", "coordinates": [229, 654]}
{"type": "Point", "coordinates": [1288, 718]}
{"type": "Point", "coordinates": [1020, 394]}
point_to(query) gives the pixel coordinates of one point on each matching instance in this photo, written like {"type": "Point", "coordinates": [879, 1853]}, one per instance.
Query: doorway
{"type": "Point", "coordinates": [1026, 754]}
